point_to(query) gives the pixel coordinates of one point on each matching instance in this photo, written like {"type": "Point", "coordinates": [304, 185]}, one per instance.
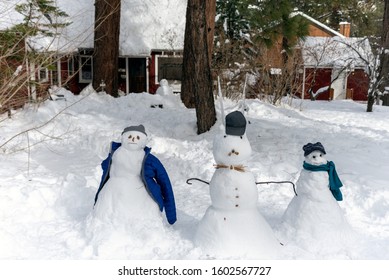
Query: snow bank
{"type": "Point", "coordinates": [49, 176]}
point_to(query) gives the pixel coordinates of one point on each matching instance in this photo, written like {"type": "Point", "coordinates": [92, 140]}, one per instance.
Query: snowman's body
{"type": "Point", "coordinates": [164, 88]}
{"type": "Point", "coordinates": [124, 198]}
{"type": "Point", "coordinates": [314, 218]}
{"type": "Point", "coordinates": [232, 225]}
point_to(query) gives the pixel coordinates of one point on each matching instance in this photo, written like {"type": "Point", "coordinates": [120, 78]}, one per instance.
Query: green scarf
{"type": "Point", "coordinates": [335, 182]}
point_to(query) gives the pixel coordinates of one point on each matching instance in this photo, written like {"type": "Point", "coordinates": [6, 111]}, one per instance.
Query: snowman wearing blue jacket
{"type": "Point", "coordinates": [135, 186]}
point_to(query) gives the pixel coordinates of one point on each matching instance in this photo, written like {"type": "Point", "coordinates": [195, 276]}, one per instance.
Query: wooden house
{"type": "Point", "coordinates": [150, 49]}
{"type": "Point", "coordinates": [332, 64]}
{"type": "Point", "coordinates": [21, 80]}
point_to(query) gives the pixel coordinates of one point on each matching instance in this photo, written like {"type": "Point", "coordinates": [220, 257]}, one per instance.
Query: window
{"type": "Point", "coordinates": [169, 68]}
{"type": "Point", "coordinates": [43, 75]}
{"type": "Point", "coordinates": [85, 66]}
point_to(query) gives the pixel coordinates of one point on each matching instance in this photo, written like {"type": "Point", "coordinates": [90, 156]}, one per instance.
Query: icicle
{"type": "Point", "coordinates": [244, 95]}
{"type": "Point", "coordinates": [221, 100]}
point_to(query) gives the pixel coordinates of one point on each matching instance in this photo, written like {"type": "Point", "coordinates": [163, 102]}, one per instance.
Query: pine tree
{"type": "Point", "coordinates": [362, 15]}
{"type": "Point", "coordinates": [271, 19]}
{"type": "Point", "coordinates": [231, 17]}
{"type": "Point", "coordinates": [232, 29]}
{"type": "Point", "coordinates": [242, 22]}
{"type": "Point", "coordinates": [17, 62]}
{"type": "Point", "coordinates": [41, 17]}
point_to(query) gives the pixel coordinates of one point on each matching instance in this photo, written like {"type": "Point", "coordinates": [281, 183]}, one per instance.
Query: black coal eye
{"type": "Point", "coordinates": [129, 137]}
{"type": "Point", "coordinates": [137, 137]}
{"type": "Point", "coordinates": [313, 156]}
{"type": "Point", "coordinates": [225, 136]}
{"type": "Point", "coordinates": [320, 155]}
{"type": "Point", "coordinates": [241, 137]}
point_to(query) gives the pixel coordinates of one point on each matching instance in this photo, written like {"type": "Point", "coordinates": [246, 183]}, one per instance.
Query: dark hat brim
{"type": "Point", "coordinates": [309, 148]}
{"type": "Point", "coordinates": [236, 131]}
{"type": "Point", "coordinates": [139, 128]}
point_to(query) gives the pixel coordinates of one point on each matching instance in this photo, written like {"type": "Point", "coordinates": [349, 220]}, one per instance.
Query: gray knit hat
{"type": "Point", "coordinates": [235, 123]}
{"type": "Point", "coordinates": [309, 148]}
{"type": "Point", "coordinates": [139, 128]}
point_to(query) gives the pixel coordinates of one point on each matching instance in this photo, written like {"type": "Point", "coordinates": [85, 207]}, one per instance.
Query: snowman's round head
{"type": "Point", "coordinates": [316, 158]}
{"type": "Point", "coordinates": [163, 82]}
{"type": "Point", "coordinates": [231, 149]}
{"type": "Point", "coordinates": [314, 154]}
{"type": "Point", "coordinates": [134, 138]}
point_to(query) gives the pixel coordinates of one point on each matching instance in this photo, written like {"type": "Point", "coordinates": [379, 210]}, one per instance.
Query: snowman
{"type": "Point", "coordinates": [232, 226]}
{"type": "Point", "coordinates": [164, 88]}
{"type": "Point", "coordinates": [135, 187]}
{"type": "Point", "coordinates": [313, 218]}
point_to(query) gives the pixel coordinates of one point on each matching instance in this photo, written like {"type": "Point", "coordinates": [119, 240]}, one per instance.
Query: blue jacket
{"type": "Point", "coordinates": [155, 178]}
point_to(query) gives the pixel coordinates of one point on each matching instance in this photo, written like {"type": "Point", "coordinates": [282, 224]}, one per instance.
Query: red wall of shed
{"type": "Point", "coordinates": [359, 82]}
{"type": "Point", "coordinates": [316, 79]}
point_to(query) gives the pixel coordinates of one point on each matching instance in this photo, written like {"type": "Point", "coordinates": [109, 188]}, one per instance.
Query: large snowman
{"type": "Point", "coordinates": [313, 218]}
{"type": "Point", "coordinates": [135, 187]}
{"type": "Point", "coordinates": [233, 226]}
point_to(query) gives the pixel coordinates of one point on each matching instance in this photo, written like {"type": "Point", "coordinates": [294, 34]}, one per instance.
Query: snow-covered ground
{"type": "Point", "coordinates": [49, 176]}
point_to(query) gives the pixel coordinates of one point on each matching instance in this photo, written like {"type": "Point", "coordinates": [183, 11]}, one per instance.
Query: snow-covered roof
{"type": "Point", "coordinates": [145, 25]}
{"type": "Point", "coordinates": [8, 15]}
{"type": "Point", "coordinates": [317, 23]}
{"type": "Point", "coordinates": [337, 51]}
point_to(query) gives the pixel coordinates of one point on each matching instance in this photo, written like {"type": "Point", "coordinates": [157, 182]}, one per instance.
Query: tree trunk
{"type": "Point", "coordinates": [370, 103]}
{"type": "Point", "coordinates": [106, 46]}
{"type": "Point", "coordinates": [210, 17]}
{"type": "Point", "coordinates": [187, 95]}
{"type": "Point", "coordinates": [197, 80]}
{"type": "Point", "coordinates": [384, 73]}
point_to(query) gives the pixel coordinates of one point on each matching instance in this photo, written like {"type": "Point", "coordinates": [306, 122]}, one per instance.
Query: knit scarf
{"type": "Point", "coordinates": [335, 182]}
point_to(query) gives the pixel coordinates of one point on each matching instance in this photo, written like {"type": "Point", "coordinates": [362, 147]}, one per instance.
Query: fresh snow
{"type": "Point", "coordinates": [50, 175]}
{"type": "Point", "coordinates": [144, 25]}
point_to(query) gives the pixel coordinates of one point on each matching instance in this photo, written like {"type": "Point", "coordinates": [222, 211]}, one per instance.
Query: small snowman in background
{"type": "Point", "coordinates": [164, 88]}
{"type": "Point", "coordinates": [313, 218]}
{"type": "Point", "coordinates": [135, 187]}
{"type": "Point", "coordinates": [233, 226]}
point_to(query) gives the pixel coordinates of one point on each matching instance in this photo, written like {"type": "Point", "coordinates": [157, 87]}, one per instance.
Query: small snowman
{"type": "Point", "coordinates": [135, 187]}
{"type": "Point", "coordinates": [164, 88]}
{"type": "Point", "coordinates": [314, 218]}
{"type": "Point", "coordinates": [233, 226]}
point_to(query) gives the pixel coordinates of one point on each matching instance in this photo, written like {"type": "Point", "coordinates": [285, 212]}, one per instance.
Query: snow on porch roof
{"type": "Point", "coordinates": [336, 52]}
{"type": "Point", "coordinates": [145, 25]}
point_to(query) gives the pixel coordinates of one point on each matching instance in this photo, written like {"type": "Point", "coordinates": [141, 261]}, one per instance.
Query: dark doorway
{"type": "Point", "coordinates": [137, 75]}
{"type": "Point", "coordinates": [132, 75]}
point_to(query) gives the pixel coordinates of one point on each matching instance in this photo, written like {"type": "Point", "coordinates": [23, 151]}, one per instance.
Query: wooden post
{"type": "Point", "coordinates": [331, 97]}
{"type": "Point", "coordinates": [350, 93]}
